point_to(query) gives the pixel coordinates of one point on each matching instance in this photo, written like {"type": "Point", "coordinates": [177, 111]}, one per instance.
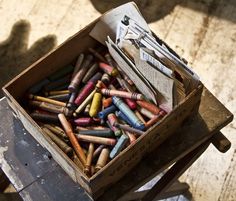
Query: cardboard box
{"type": "Point", "coordinates": [63, 55]}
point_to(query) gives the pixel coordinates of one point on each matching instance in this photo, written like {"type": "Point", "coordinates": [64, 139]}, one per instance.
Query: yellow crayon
{"type": "Point", "coordinates": [52, 93]}
{"type": "Point", "coordinates": [96, 104]}
{"type": "Point", "coordinates": [85, 103]}
{"type": "Point", "coordinates": [47, 100]}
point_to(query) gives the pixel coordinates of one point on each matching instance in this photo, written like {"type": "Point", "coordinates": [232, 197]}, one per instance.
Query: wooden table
{"type": "Point", "coordinates": [36, 176]}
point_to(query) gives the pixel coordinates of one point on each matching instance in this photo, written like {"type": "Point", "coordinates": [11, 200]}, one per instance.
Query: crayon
{"type": "Point", "coordinates": [122, 94]}
{"type": "Point", "coordinates": [96, 140]}
{"type": "Point", "coordinates": [57, 130]}
{"type": "Point", "coordinates": [51, 107]}
{"type": "Point", "coordinates": [97, 127]}
{"type": "Point", "coordinates": [85, 151]}
{"type": "Point", "coordinates": [54, 93]}
{"type": "Point", "coordinates": [90, 128]}
{"type": "Point", "coordinates": [114, 82]}
{"type": "Point", "coordinates": [88, 88]}
{"type": "Point", "coordinates": [112, 120]}
{"type": "Point", "coordinates": [132, 137]}
{"type": "Point", "coordinates": [87, 108]}
{"type": "Point", "coordinates": [120, 145]}
{"type": "Point", "coordinates": [137, 113]}
{"type": "Point", "coordinates": [97, 54]}
{"type": "Point", "coordinates": [62, 145]}
{"type": "Point", "coordinates": [81, 128]}
{"type": "Point", "coordinates": [61, 73]}
{"type": "Point", "coordinates": [43, 117]}
{"type": "Point", "coordinates": [154, 120]}
{"type": "Point", "coordinates": [92, 170]}
{"type": "Point", "coordinates": [106, 78]}
{"type": "Point", "coordinates": [54, 85]}
{"type": "Point", "coordinates": [146, 113]}
{"type": "Point", "coordinates": [122, 116]}
{"type": "Point", "coordinates": [128, 128]}
{"type": "Point", "coordinates": [98, 151]}
{"type": "Point", "coordinates": [91, 71]}
{"type": "Point", "coordinates": [72, 98]}
{"type": "Point", "coordinates": [85, 103]}
{"type": "Point", "coordinates": [110, 60]}
{"type": "Point", "coordinates": [84, 121]}
{"type": "Point", "coordinates": [149, 106]}
{"type": "Point", "coordinates": [102, 159]}
{"type": "Point", "coordinates": [111, 86]}
{"type": "Point", "coordinates": [68, 130]}
{"type": "Point", "coordinates": [73, 87]}
{"type": "Point", "coordinates": [136, 123]}
{"type": "Point", "coordinates": [107, 102]}
{"type": "Point", "coordinates": [78, 64]}
{"type": "Point", "coordinates": [103, 114]}
{"type": "Point", "coordinates": [99, 133]}
{"type": "Point", "coordinates": [97, 120]}
{"type": "Point", "coordinates": [62, 86]}
{"type": "Point", "coordinates": [131, 103]}
{"type": "Point", "coordinates": [38, 86]}
{"type": "Point", "coordinates": [46, 100]}
{"type": "Point", "coordinates": [127, 79]}
{"type": "Point", "coordinates": [87, 168]}
{"type": "Point", "coordinates": [125, 85]}
{"type": "Point", "coordinates": [100, 85]}
{"type": "Point", "coordinates": [77, 161]}
{"type": "Point", "coordinates": [60, 97]}
{"type": "Point", "coordinates": [95, 105]}
{"type": "Point", "coordinates": [108, 69]}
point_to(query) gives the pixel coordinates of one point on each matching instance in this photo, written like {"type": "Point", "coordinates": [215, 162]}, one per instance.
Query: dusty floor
{"type": "Point", "coordinates": [203, 32]}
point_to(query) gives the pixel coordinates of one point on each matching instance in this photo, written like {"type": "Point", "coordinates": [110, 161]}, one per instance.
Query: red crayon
{"type": "Point", "coordinates": [108, 69]}
{"type": "Point", "coordinates": [131, 103]}
{"type": "Point", "coordinates": [84, 121]}
{"type": "Point", "coordinates": [88, 88]}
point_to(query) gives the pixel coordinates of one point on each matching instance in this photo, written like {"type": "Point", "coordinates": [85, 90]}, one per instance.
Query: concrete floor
{"type": "Point", "coordinates": [203, 32]}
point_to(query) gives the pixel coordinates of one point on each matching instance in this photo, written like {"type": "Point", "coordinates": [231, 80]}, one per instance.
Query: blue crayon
{"type": "Point", "coordinates": [71, 100]}
{"type": "Point", "coordinates": [38, 86]}
{"type": "Point", "coordinates": [122, 116]}
{"type": "Point", "coordinates": [124, 108]}
{"type": "Point", "coordinates": [61, 73]}
{"type": "Point", "coordinates": [120, 145]}
{"type": "Point", "coordinates": [103, 114]}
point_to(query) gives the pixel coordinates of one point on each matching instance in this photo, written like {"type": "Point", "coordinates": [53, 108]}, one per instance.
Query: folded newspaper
{"type": "Point", "coordinates": [155, 69]}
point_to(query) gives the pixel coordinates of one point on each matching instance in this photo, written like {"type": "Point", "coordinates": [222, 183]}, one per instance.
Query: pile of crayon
{"type": "Point", "coordinates": [91, 110]}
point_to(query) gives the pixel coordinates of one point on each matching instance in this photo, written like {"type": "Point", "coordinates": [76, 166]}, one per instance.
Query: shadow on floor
{"type": "Point", "coordinates": [15, 55]}
{"type": "Point", "coordinates": [154, 10]}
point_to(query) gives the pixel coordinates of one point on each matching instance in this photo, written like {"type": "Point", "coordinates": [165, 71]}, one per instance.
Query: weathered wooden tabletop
{"type": "Point", "coordinates": [35, 175]}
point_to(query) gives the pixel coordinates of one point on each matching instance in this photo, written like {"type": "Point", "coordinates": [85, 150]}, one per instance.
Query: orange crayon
{"type": "Point", "coordinates": [149, 106]}
{"type": "Point", "coordinates": [68, 129]}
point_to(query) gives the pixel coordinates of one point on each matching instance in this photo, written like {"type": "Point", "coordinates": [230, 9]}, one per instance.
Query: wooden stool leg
{"type": "Point", "coordinates": [174, 172]}
{"type": "Point", "coordinates": [175, 189]}
{"type": "Point", "coordinates": [10, 197]}
{"type": "Point", "coordinates": [4, 181]}
{"type": "Point", "coordinates": [221, 142]}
